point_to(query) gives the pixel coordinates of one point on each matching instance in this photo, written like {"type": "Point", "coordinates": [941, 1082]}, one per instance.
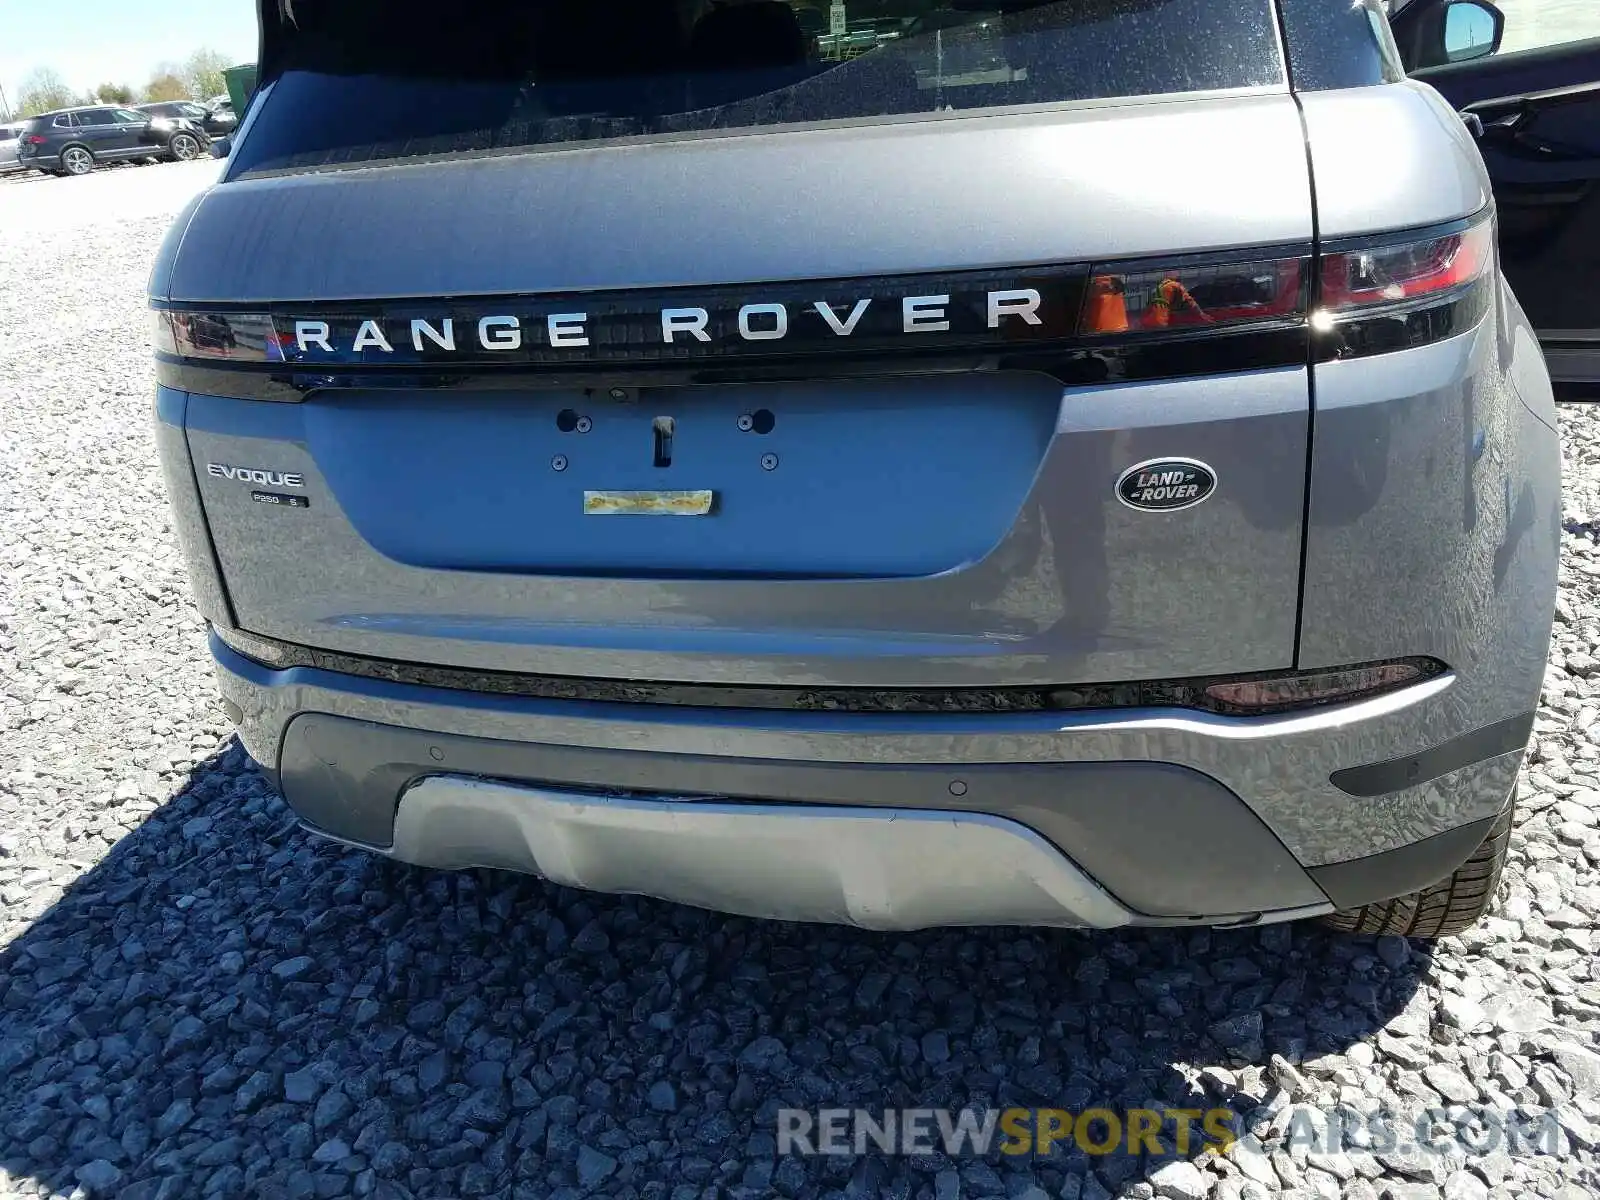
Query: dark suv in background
{"type": "Point", "coordinates": [214, 121]}
{"type": "Point", "coordinates": [72, 141]}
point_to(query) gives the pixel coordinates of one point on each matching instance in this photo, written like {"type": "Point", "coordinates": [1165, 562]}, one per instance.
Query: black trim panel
{"type": "Point", "coordinates": [1490, 741]}
{"type": "Point", "coordinates": [1094, 362]}
{"type": "Point", "coordinates": [987, 310]}
{"type": "Point", "coordinates": [1023, 318]}
{"type": "Point", "coordinates": [1401, 871]}
{"type": "Point", "coordinates": [1176, 693]}
{"type": "Point", "coordinates": [624, 345]}
{"type": "Point", "coordinates": [1407, 329]}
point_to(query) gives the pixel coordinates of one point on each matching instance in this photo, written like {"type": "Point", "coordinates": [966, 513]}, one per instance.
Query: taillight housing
{"type": "Point", "coordinates": [1153, 298]}
{"type": "Point", "coordinates": [1402, 273]}
{"type": "Point", "coordinates": [237, 337]}
{"type": "Point", "coordinates": [1386, 278]}
{"type": "Point", "coordinates": [34, 139]}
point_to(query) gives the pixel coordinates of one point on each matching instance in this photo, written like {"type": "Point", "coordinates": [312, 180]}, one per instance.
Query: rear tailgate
{"type": "Point", "coordinates": [921, 528]}
{"type": "Point", "coordinates": [808, 402]}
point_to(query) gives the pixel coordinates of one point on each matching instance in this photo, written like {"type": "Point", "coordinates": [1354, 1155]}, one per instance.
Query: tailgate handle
{"type": "Point", "coordinates": [663, 427]}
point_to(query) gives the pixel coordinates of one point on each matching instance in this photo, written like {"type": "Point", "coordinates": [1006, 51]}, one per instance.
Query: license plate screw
{"type": "Point", "coordinates": [584, 425]}
{"type": "Point", "coordinates": [746, 422]}
{"type": "Point", "coordinates": [559, 463]}
{"type": "Point", "coordinates": [769, 462]}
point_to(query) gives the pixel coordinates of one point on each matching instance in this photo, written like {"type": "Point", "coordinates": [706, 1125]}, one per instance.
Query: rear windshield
{"type": "Point", "coordinates": [1333, 44]}
{"type": "Point", "coordinates": [371, 80]}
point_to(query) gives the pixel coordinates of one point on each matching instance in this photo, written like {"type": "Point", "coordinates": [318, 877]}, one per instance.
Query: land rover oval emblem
{"type": "Point", "coordinates": [1166, 484]}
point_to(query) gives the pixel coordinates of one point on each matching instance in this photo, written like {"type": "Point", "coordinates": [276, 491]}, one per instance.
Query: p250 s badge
{"type": "Point", "coordinates": [1166, 484]}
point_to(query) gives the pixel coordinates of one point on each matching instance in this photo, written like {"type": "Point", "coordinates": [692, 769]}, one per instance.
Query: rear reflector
{"type": "Point", "coordinates": [1313, 688]}
{"type": "Point", "coordinates": [262, 650]}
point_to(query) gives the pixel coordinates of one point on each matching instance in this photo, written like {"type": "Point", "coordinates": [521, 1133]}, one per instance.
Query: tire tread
{"type": "Point", "coordinates": [1453, 904]}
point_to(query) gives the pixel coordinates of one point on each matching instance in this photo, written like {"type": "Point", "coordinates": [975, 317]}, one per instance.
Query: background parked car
{"type": "Point", "coordinates": [10, 136]}
{"type": "Point", "coordinates": [222, 108]}
{"type": "Point", "coordinates": [214, 121]}
{"type": "Point", "coordinates": [72, 141]}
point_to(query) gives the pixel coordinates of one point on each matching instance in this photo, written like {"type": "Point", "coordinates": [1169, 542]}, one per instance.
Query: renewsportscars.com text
{"type": "Point", "coordinates": [1154, 1132]}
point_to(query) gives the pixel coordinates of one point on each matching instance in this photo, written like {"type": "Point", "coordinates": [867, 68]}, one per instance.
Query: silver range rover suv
{"type": "Point", "coordinates": [1073, 464]}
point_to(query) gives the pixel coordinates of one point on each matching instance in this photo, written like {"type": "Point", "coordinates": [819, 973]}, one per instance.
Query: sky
{"type": "Point", "coordinates": [117, 41]}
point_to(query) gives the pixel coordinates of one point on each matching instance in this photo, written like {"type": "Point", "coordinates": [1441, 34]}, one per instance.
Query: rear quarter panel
{"type": "Point", "coordinates": [1435, 500]}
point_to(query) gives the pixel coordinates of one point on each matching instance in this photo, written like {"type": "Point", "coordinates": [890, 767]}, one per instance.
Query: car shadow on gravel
{"type": "Point", "coordinates": [227, 1006]}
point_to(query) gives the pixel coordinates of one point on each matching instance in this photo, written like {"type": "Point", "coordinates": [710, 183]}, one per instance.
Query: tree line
{"type": "Point", "coordinates": [199, 77]}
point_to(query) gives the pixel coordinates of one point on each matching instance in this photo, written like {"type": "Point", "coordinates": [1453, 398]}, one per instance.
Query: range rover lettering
{"type": "Point", "coordinates": [1074, 464]}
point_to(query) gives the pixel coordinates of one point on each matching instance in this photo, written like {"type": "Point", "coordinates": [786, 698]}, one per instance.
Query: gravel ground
{"type": "Point", "coordinates": [198, 999]}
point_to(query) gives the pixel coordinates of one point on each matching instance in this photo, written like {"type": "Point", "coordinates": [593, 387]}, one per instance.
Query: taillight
{"type": "Point", "coordinates": [1372, 277]}
{"type": "Point", "coordinates": [1138, 298]}
{"type": "Point", "coordinates": [1378, 297]}
{"type": "Point", "coordinates": [239, 337]}
{"type": "Point", "coordinates": [1403, 272]}
{"type": "Point", "coordinates": [35, 140]}
{"type": "Point", "coordinates": [161, 333]}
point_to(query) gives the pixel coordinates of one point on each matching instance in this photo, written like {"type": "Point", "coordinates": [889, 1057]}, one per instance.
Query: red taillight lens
{"type": "Point", "coordinates": [1395, 274]}
{"type": "Point", "coordinates": [1141, 299]}
{"type": "Point", "coordinates": [35, 140]}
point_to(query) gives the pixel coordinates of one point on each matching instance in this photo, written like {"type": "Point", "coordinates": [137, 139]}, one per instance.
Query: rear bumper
{"type": "Point", "coordinates": [1073, 819]}
{"type": "Point", "coordinates": [874, 868]}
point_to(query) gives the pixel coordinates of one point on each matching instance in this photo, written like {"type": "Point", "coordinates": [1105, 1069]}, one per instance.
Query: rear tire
{"type": "Point", "coordinates": [185, 147]}
{"type": "Point", "coordinates": [77, 160]}
{"type": "Point", "coordinates": [1453, 904]}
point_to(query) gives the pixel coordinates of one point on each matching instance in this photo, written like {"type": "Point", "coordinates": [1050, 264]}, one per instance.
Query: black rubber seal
{"type": "Point", "coordinates": [1490, 741]}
